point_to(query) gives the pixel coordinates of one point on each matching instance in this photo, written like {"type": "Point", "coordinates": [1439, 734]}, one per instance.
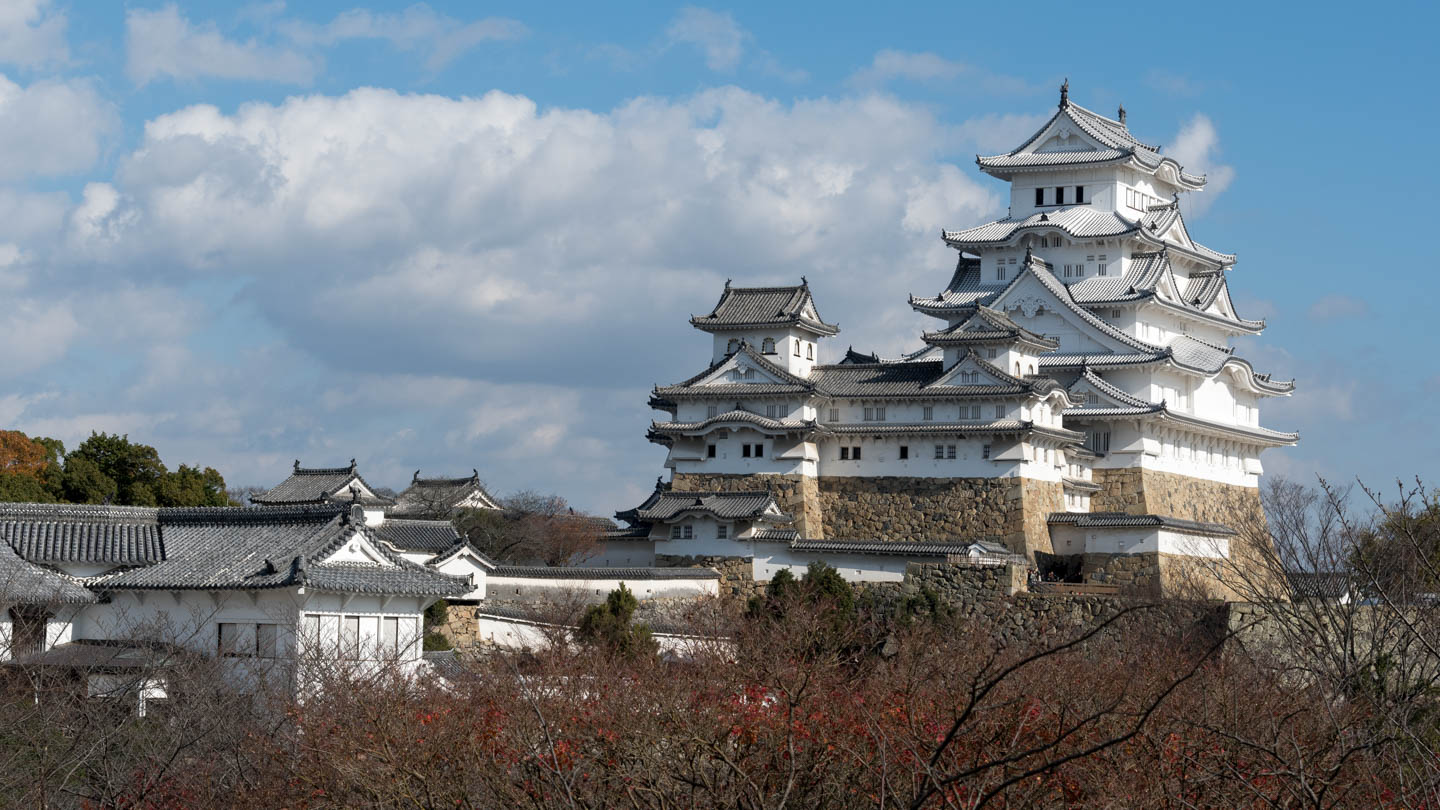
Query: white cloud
{"type": "Point", "coordinates": [890, 65]}
{"type": "Point", "coordinates": [162, 43]}
{"type": "Point", "coordinates": [418, 28]}
{"type": "Point", "coordinates": [1197, 148]}
{"type": "Point", "coordinates": [1336, 307]}
{"type": "Point", "coordinates": [32, 34]}
{"type": "Point", "coordinates": [423, 263]}
{"type": "Point", "coordinates": [51, 127]}
{"type": "Point", "coordinates": [717, 35]}
{"type": "Point", "coordinates": [34, 334]}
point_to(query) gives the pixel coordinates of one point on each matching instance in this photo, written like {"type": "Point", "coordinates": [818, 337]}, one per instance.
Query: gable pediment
{"type": "Point", "coordinates": [358, 550]}
{"type": "Point", "coordinates": [1039, 307]}
{"type": "Point", "coordinates": [1064, 135]}
{"type": "Point", "coordinates": [740, 369]}
{"type": "Point", "coordinates": [970, 371]}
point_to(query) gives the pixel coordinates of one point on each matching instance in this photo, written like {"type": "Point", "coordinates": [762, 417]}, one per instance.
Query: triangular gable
{"type": "Point", "coordinates": [731, 371]}
{"type": "Point", "coordinates": [972, 370]}
{"type": "Point", "coordinates": [1099, 393]}
{"type": "Point", "coordinates": [356, 482]}
{"type": "Point", "coordinates": [1035, 289]}
{"type": "Point", "coordinates": [359, 549]}
{"type": "Point", "coordinates": [1178, 233]}
{"type": "Point", "coordinates": [1064, 135]}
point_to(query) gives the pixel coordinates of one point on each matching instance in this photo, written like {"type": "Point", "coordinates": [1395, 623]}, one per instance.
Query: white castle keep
{"type": "Point", "coordinates": [1076, 398]}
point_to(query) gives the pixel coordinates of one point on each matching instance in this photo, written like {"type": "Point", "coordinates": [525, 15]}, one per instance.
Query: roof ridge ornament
{"type": "Point", "coordinates": [1065, 93]}
{"type": "Point", "coordinates": [415, 477]}
{"type": "Point", "coordinates": [1121, 113]}
{"type": "Point", "coordinates": [297, 465]}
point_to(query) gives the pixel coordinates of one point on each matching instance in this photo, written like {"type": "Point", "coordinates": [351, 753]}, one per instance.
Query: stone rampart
{"type": "Point", "coordinates": [737, 574]}
{"type": "Point", "coordinates": [1138, 491]}
{"type": "Point", "coordinates": [905, 508]}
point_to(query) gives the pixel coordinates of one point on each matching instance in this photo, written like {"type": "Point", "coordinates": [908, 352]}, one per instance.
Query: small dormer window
{"type": "Point", "coordinates": [767, 346]}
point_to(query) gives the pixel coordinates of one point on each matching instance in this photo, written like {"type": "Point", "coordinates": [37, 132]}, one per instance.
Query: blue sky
{"type": "Point", "coordinates": [451, 235]}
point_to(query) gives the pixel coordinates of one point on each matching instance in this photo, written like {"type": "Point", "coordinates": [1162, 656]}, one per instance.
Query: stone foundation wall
{"type": "Point", "coordinates": [903, 508]}
{"type": "Point", "coordinates": [1136, 573]}
{"type": "Point", "coordinates": [737, 574]}
{"type": "Point", "coordinates": [1038, 500]}
{"type": "Point", "coordinates": [1247, 575]}
{"type": "Point", "coordinates": [1138, 491]}
{"type": "Point", "coordinates": [797, 495]}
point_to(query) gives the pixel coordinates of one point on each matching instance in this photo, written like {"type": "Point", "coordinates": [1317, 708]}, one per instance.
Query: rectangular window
{"type": "Point", "coordinates": [904, 452]}
{"type": "Point", "coordinates": [999, 274]}
{"type": "Point", "coordinates": [1039, 196]}
{"type": "Point", "coordinates": [844, 454]}
{"type": "Point", "coordinates": [879, 414]}
{"type": "Point", "coordinates": [927, 413]}
{"type": "Point", "coordinates": [710, 451]}
{"type": "Point", "coordinates": [939, 451]}
{"type": "Point", "coordinates": [1089, 258]}
{"type": "Point", "coordinates": [999, 411]}
{"type": "Point", "coordinates": [1059, 195]}
{"type": "Point", "coordinates": [745, 450]}
{"type": "Point", "coordinates": [350, 636]}
{"type": "Point", "coordinates": [985, 451]}
{"type": "Point", "coordinates": [974, 411]}
{"type": "Point", "coordinates": [687, 532]}
{"type": "Point", "coordinates": [674, 532]}
{"type": "Point", "coordinates": [834, 414]}
{"type": "Point", "coordinates": [759, 451]}
{"type": "Point", "coordinates": [389, 635]}
{"type": "Point", "coordinates": [711, 411]}
{"type": "Point", "coordinates": [1103, 270]}
{"type": "Point", "coordinates": [1079, 194]}
{"type": "Point", "coordinates": [310, 630]}
{"type": "Point", "coordinates": [869, 414]}
{"type": "Point", "coordinates": [949, 451]}
{"type": "Point", "coordinates": [770, 411]}
{"type": "Point", "coordinates": [1079, 271]}
{"type": "Point", "coordinates": [230, 639]}
{"type": "Point", "coordinates": [265, 645]}
{"type": "Point", "coordinates": [855, 453]}
{"type": "Point", "coordinates": [992, 353]}
{"type": "Point", "coordinates": [722, 532]}
{"type": "Point", "coordinates": [1067, 271]}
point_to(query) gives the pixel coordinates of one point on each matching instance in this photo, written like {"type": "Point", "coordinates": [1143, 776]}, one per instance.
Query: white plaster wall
{"type": "Point", "coordinates": [462, 565]}
{"type": "Point", "coordinates": [622, 553]}
{"type": "Point", "coordinates": [770, 558]}
{"type": "Point", "coordinates": [785, 342]}
{"type": "Point", "coordinates": [187, 618]}
{"type": "Point", "coordinates": [1137, 540]}
{"type": "Point", "coordinates": [513, 588]}
{"type": "Point", "coordinates": [881, 456]}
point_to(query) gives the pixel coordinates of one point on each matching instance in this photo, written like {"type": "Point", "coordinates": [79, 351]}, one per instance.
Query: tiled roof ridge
{"type": "Point", "coordinates": [290, 513]}
{"type": "Point", "coordinates": [417, 481]}
{"type": "Point", "coordinates": [1125, 519]}
{"type": "Point", "coordinates": [72, 512]}
{"type": "Point", "coordinates": [298, 470]}
{"type": "Point", "coordinates": [1112, 390]}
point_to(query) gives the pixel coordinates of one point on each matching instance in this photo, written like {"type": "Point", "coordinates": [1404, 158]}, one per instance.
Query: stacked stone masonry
{"type": "Point", "coordinates": [1011, 511]}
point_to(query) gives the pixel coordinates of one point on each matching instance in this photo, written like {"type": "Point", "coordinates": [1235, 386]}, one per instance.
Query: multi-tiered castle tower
{"type": "Point", "coordinates": [1078, 396]}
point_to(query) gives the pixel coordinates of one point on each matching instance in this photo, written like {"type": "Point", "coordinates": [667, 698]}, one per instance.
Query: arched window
{"type": "Point", "coordinates": [1032, 368]}
{"type": "Point", "coordinates": [809, 351]}
{"type": "Point", "coordinates": [733, 346]}
{"type": "Point", "coordinates": [1017, 369]}
{"type": "Point", "coordinates": [797, 347]}
{"type": "Point", "coordinates": [767, 346]}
